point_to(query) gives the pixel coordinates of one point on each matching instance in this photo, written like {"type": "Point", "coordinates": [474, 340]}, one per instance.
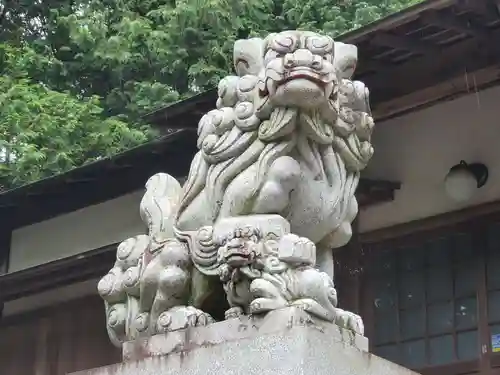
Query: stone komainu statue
{"type": "Point", "coordinates": [269, 194]}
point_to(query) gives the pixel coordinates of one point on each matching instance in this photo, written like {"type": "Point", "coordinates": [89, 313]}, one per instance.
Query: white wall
{"type": "Point", "coordinates": [419, 149]}
{"type": "Point", "coordinates": [86, 229]}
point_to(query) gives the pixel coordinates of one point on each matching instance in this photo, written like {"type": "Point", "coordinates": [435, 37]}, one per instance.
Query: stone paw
{"type": "Point", "coordinates": [263, 305]}
{"type": "Point", "coordinates": [233, 312]}
{"type": "Point", "coordinates": [141, 322]}
{"type": "Point", "coordinates": [350, 321]}
{"type": "Point", "coordinates": [314, 308]}
{"type": "Point", "coordinates": [181, 317]}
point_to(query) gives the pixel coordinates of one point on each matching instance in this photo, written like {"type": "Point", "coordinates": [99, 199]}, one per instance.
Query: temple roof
{"type": "Point", "coordinates": [430, 52]}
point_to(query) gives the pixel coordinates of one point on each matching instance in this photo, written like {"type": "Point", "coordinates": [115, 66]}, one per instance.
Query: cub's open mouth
{"type": "Point", "coordinates": [238, 256]}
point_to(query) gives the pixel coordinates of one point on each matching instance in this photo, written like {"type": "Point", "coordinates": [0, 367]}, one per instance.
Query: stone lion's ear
{"type": "Point", "coordinates": [345, 59]}
{"type": "Point", "coordinates": [248, 56]}
{"type": "Point", "coordinates": [269, 38]}
{"type": "Point", "coordinates": [362, 97]}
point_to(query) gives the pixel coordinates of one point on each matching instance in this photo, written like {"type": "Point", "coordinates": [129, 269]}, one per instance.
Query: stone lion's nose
{"type": "Point", "coordinates": [300, 58]}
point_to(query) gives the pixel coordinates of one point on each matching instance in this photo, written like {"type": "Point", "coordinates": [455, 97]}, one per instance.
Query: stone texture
{"type": "Point", "coordinates": [243, 327]}
{"type": "Point", "coordinates": [270, 193]}
{"type": "Point", "coordinates": [285, 342]}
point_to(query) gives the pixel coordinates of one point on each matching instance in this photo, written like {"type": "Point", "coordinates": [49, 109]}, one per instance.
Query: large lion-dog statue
{"type": "Point", "coordinates": [269, 195]}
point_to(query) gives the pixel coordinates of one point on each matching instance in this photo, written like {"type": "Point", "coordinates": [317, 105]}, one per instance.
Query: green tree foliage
{"type": "Point", "coordinates": [84, 62]}
{"type": "Point", "coordinates": [44, 132]}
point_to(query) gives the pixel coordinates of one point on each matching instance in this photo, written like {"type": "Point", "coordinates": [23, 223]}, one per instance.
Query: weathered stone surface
{"type": "Point", "coordinates": [243, 327]}
{"type": "Point", "coordinates": [285, 342]}
{"type": "Point", "coordinates": [269, 194]}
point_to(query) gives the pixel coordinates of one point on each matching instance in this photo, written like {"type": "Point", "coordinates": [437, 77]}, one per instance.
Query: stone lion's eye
{"type": "Point", "coordinates": [328, 57]}
{"type": "Point", "coordinates": [320, 45]}
{"type": "Point", "coordinates": [284, 44]}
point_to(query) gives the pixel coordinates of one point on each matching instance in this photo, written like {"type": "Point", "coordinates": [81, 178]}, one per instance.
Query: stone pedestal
{"type": "Point", "coordinates": [285, 342]}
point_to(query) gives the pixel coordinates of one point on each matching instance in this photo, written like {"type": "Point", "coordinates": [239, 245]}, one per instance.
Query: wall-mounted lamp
{"type": "Point", "coordinates": [464, 179]}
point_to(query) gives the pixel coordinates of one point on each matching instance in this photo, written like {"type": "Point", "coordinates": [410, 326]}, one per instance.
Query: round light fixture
{"type": "Point", "coordinates": [464, 179]}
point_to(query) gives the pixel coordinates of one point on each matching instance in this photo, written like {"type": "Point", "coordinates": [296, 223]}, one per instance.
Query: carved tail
{"type": "Point", "coordinates": [159, 206]}
{"type": "Point", "coordinates": [133, 286]}
{"type": "Point", "coordinates": [120, 288]}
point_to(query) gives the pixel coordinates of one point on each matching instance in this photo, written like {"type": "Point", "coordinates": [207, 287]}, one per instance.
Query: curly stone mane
{"type": "Point", "coordinates": [261, 117]}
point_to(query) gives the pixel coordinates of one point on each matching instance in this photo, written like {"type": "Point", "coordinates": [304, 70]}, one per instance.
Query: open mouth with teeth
{"type": "Point", "coordinates": [302, 73]}
{"type": "Point", "coordinates": [238, 255]}
{"type": "Point", "coordinates": [278, 79]}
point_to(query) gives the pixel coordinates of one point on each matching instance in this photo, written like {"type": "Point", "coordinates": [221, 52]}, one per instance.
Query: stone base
{"type": "Point", "coordinates": [286, 341]}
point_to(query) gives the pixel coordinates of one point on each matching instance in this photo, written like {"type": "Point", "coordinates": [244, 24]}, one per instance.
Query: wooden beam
{"type": "Point", "coordinates": [368, 64]}
{"type": "Point", "coordinates": [479, 212]}
{"type": "Point", "coordinates": [489, 9]}
{"type": "Point", "coordinates": [174, 115]}
{"type": "Point", "coordinates": [188, 121]}
{"type": "Point", "coordinates": [404, 43]}
{"type": "Point", "coordinates": [394, 20]}
{"type": "Point", "coordinates": [464, 84]}
{"type": "Point", "coordinates": [77, 268]}
{"type": "Point", "coordinates": [47, 184]}
{"type": "Point", "coordinates": [420, 73]}
{"type": "Point", "coordinates": [55, 196]}
{"type": "Point", "coordinates": [373, 184]}
{"type": "Point", "coordinates": [112, 184]}
{"type": "Point", "coordinates": [82, 180]}
{"type": "Point", "coordinates": [372, 192]}
{"type": "Point", "coordinates": [446, 20]}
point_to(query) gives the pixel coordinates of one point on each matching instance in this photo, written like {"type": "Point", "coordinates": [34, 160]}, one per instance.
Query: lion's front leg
{"type": "Point", "coordinates": [180, 317]}
{"type": "Point", "coordinates": [282, 178]}
{"type": "Point", "coordinates": [167, 278]}
{"type": "Point", "coordinates": [266, 297]}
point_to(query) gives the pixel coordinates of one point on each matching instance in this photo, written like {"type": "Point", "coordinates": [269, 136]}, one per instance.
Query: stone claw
{"type": "Point", "coordinates": [234, 312]}
{"type": "Point", "coordinates": [181, 317]}
{"type": "Point", "coordinates": [262, 305]}
{"type": "Point", "coordinates": [314, 308]}
{"type": "Point", "coordinates": [350, 321]}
